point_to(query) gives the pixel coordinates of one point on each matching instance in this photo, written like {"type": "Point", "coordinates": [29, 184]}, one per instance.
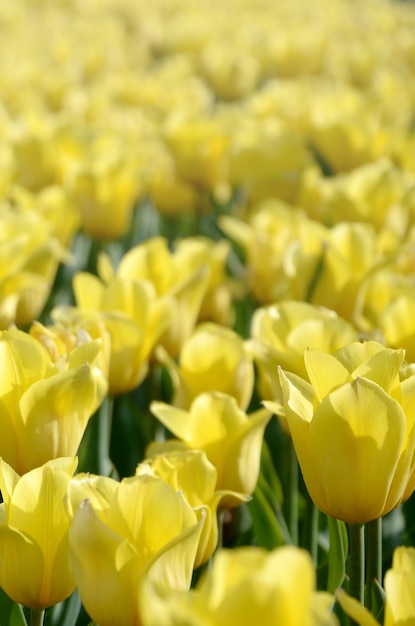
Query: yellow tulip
{"type": "Point", "coordinates": [45, 405]}
{"type": "Point", "coordinates": [399, 584]}
{"type": "Point", "coordinates": [281, 333]}
{"type": "Point", "coordinates": [246, 586]}
{"type": "Point", "coordinates": [106, 191]}
{"type": "Point", "coordinates": [214, 358]}
{"type": "Point", "coordinates": [35, 568]}
{"type": "Point", "coordinates": [352, 254]}
{"type": "Point", "coordinates": [192, 474]}
{"type": "Point", "coordinates": [199, 146]}
{"type": "Point", "coordinates": [282, 248]}
{"type": "Point", "coordinates": [353, 429]}
{"type": "Point", "coordinates": [29, 258]}
{"type": "Point", "coordinates": [123, 533]}
{"type": "Point", "coordinates": [132, 314]}
{"type": "Point", "coordinates": [231, 439]}
{"type": "Point", "coordinates": [180, 275]}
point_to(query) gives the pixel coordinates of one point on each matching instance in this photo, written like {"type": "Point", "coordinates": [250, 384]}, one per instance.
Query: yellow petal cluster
{"type": "Point", "coordinates": [115, 543]}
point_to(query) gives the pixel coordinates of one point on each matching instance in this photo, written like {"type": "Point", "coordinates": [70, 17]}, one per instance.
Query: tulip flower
{"type": "Point", "coordinates": [35, 568]}
{"type": "Point", "coordinates": [353, 430]}
{"type": "Point", "coordinates": [281, 333]}
{"type": "Point", "coordinates": [134, 317]}
{"type": "Point", "coordinates": [399, 584]}
{"type": "Point", "coordinates": [192, 474]}
{"type": "Point", "coordinates": [282, 248]}
{"type": "Point", "coordinates": [231, 439]}
{"type": "Point", "coordinates": [29, 258]}
{"type": "Point", "coordinates": [181, 276]}
{"type": "Point", "coordinates": [45, 405]}
{"type": "Point", "coordinates": [106, 190]}
{"type": "Point", "coordinates": [214, 358]}
{"type": "Point", "coordinates": [245, 586]}
{"type": "Point", "coordinates": [123, 533]}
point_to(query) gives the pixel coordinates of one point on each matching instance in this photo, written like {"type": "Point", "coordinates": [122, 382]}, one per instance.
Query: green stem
{"type": "Point", "coordinates": [104, 436]}
{"type": "Point", "coordinates": [357, 562]}
{"type": "Point", "coordinates": [312, 520]}
{"type": "Point", "coordinates": [374, 559]}
{"type": "Point", "coordinates": [292, 495]}
{"type": "Point", "coordinates": [36, 617]}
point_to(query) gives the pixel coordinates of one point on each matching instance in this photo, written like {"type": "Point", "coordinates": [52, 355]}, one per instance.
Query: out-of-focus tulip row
{"type": "Point", "coordinates": [207, 312]}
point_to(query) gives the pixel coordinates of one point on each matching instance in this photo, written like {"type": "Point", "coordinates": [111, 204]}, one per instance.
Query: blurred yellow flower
{"type": "Point", "coordinates": [353, 429]}
{"type": "Point", "coordinates": [179, 275]}
{"type": "Point", "coordinates": [29, 258]}
{"type": "Point", "coordinates": [245, 586]}
{"type": "Point", "coordinates": [35, 567]}
{"type": "Point", "coordinates": [283, 250]}
{"type": "Point", "coordinates": [132, 314]}
{"type": "Point", "coordinates": [231, 439]}
{"type": "Point", "coordinates": [45, 405]}
{"type": "Point", "coordinates": [106, 192]}
{"type": "Point", "coordinates": [123, 533]}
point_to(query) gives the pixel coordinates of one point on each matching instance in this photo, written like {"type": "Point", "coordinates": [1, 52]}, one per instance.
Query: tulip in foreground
{"type": "Point", "coordinates": [353, 430]}
{"type": "Point", "coordinates": [123, 533]}
{"type": "Point", "coordinates": [246, 586]}
{"type": "Point", "coordinates": [35, 566]}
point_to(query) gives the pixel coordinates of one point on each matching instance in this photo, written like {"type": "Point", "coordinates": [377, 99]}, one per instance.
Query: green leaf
{"type": "Point", "coordinates": [337, 553]}
{"type": "Point", "coordinates": [268, 522]}
{"type": "Point", "coordinates": [11, 613]}
{"type": "Point", "coordinates": [65, 613]}
{"type": "Point", "coordinates": [269, 473]}
{"type": "Point", "coordinates": [378, 601]}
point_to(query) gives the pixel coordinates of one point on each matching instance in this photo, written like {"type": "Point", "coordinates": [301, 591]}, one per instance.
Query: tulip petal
{"type": "Point", "coordinates": [103, 560]}
{"type": "Point", "coordinates": [176, 420]}
{"type": "Point", "coordinates": [325, 372]}
{"type": "Point", "coordinates": [17, 549]}
{"type": "Point", "coordinates": [355, 610]}
{"type": "Point", "coordinates": [55, 413]}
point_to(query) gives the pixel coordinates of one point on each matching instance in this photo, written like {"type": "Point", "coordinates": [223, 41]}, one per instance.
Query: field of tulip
{"type": "Point", "coordinates": [207, 313]}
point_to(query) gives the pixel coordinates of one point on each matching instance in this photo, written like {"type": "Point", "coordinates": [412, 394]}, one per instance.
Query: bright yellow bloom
{"type": "Point", "coordinates": [283, 249]}
{"type": "Point", "coordinates": [123, 533]}
{"type": "Point", "coordinates": [29, 258]}
{"type": "Point", "coordinates": [182, 275]}
{"type": "Point", "coordinates": [132, 314]}
{"type": "Point", "coordinates": [352, 254]}
{"type": "Point", "coordinates": [192, 474]}
{"type": "Point", "coordinates": [35, 569]}
{"type": "Point", "coordinates": [231, 439]}
{"type": "Point", "coordinates": [45, 404]}
{"type": "Point", "coordinates": [281, 333]}
{"type": "Point", "coordinates": [246, 586]}
{"type": "Point", "coordinates": [214, 358]}
{"type": "Point", "coordinates": [399, 585]}
{"type": "Point", "coordinates": [107, 190]}
{"type": "Point", "coordinates": [353, 429]}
